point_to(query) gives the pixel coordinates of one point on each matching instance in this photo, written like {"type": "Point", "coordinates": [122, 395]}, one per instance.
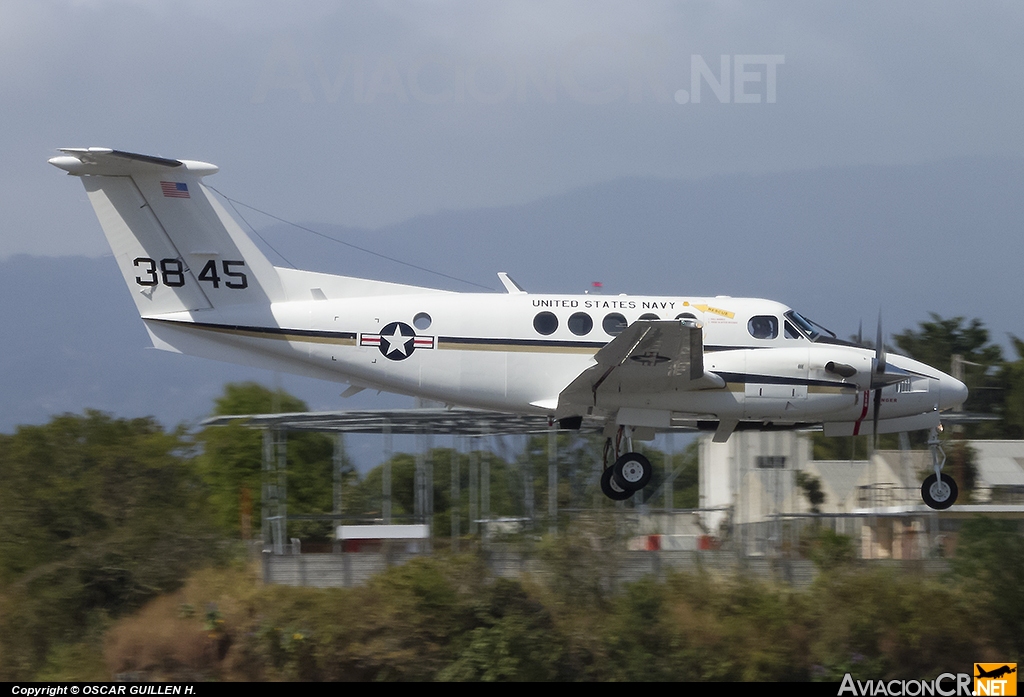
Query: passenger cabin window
{"type": "Point", "coordinates": [545, 323]}
{"type": "Point", "coordinates": [649, 315]}
{"type": "Point", "coordinates": [580, 323]}
{"type": "Point", "coordinates": [763, 327]}
{"type": "Point", "coordinates": [613, 324]}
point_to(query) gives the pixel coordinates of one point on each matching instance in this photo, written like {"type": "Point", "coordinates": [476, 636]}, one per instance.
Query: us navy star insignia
{"type": "Point", "coordinates": [397, 338]}
{"type": "Point", "coordinates": [650, 358]}
{"type": "Point", "coordinates": [397, 341]}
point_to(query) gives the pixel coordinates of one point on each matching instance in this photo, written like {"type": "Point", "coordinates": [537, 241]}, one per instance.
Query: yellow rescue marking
{"type": "Point", "coordinates": [715, 311]}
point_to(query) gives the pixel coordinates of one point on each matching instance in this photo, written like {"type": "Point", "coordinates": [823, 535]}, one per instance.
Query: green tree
{"type": "Point", "coordinates": [935, 342]}
{"type": "Point", "coordinates": [575, 457]}
{"type": "Point", "coordinates": [513, 639]}
{"type": "Point", "coordinates": [365, 495]}
{"type": "Point", "coordinates": [830, 550]}
{"type": "Point", "coordinates": [98, 515]}
{"type": "Point", "coordinates": [685, 487]}
{"type": "Point", "coordinates": [882, 624]}
{"type": "Point", "coordinates": [990, 561]}
{"type": "Point", "coordinates": [811, 486]}
{"type": "Point", "coordinates": [1011, 376]}
{"type": "Point", "coordinates": [232, 459]}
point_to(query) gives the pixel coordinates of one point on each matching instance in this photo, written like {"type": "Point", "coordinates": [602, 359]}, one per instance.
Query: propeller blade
{"type": "Point", "coordinates": [874, 419]}
{"type": "Point", "coordinates": [879, 349]}
{"type": "Point", "coordinates": [860, 333]}
{"type": "Point", "coordinates": [878, 378]}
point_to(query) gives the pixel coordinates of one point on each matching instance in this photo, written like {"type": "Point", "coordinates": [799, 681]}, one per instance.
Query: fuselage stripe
{"type": "Point", "coordinates": [280, 333]}
{"type": "Point", "coordinates": [476, 344]}
{"type": "Point", "coordinates": [743, 378]}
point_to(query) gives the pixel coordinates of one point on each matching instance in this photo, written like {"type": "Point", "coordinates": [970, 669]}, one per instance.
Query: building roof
{"type": "Point", "coordinates": [999, 462]}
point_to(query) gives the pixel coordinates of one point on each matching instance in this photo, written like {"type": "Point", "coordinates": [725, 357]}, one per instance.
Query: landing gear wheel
{"type": "Point", "coordinates": [632, 472]}
{"type": "Point", "coordinates": [939, 494]}
{"type": "Point", "coordinates": [612, 490]}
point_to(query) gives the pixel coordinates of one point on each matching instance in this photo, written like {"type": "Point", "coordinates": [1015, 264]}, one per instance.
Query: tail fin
{"type": "Point", "coordinates": [177, 247]}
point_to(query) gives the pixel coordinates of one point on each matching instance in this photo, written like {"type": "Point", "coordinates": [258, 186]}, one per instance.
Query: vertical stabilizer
{"type": "Point", "coordinates": [176, 246]}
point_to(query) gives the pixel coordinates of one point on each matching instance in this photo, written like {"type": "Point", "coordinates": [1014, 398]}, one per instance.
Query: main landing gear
{"type": "Point", "coordinates": [629, 473]}
{"type": "Point", "coordinates": [939, 491]}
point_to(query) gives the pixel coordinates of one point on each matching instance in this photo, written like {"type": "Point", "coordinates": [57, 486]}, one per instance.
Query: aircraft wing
{"type": "Point", "coordinates": [649, 356]}
{"type": "Point", "coordinates": [459, 421]}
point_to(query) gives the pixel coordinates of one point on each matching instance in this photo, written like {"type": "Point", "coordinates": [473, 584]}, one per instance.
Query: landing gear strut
{"type": "Point", "coordinates": [939, 490]}
{"type": "Point", "coordinates": [630, 472]}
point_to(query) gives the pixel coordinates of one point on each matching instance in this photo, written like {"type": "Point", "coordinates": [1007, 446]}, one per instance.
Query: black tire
{"type": "Point", "coordinates": [611, 490]}
{"type": "Point", "coordinates": [939, 495]}
{"type": "Point", "coordinates": [632, 472]}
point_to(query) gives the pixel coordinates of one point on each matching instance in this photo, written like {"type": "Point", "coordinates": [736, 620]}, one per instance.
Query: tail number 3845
{"type": "Point", "coordinates": [171, 272]}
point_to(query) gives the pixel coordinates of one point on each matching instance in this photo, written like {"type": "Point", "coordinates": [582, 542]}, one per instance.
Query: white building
{"type": "Point", "coordinates": [750, 483]}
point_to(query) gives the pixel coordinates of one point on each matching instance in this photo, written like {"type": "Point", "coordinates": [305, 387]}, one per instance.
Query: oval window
{"type": "Point", "coordinates": [763, 327]}
{"type": "Point", "coordinates": [580, 324]}
{"type": "Point", "coordinates": [649, 315]}
{"type": "Point", "coordinates": [614, 324]}
{"type": "Point", "coordinates": [421, 321]}
{"type": "Point", "coordinates": [545, 323]}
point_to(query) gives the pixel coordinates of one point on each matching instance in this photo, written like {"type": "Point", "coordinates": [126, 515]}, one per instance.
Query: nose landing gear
{"type": "Point", "coordinates": [939, 490]}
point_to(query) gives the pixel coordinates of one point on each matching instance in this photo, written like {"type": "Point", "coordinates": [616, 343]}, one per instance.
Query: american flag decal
{"type": "Point", "coordinates": [174, 189]}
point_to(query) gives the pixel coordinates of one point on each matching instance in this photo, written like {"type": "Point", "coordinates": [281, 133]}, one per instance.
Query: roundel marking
{"type": "Point", "coordinates": [397, 341]}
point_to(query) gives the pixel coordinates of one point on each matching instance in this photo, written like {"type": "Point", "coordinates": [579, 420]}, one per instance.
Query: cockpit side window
{"type": "Point", "coordinates": [763, 327]}
{"type": "Point", "coordinates": [791, 332]}
{"type": "Point", "coordinates": [805, 325]}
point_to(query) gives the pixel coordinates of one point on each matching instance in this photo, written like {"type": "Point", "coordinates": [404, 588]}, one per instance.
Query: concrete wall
{"type": "Point", "coordinates": [347, 570]}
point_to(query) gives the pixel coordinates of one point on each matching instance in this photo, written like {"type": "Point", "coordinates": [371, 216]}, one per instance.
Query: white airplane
{"type": "Point", "coordinates": [636, 363]}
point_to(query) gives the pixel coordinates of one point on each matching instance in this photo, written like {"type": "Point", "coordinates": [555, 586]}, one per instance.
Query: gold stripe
{"type": "Point", "coordinates": [823, 389]}
{"type": "Point", "coordinates": [341, 341]}
{"type": "Point", "coordinates": [518, 348]}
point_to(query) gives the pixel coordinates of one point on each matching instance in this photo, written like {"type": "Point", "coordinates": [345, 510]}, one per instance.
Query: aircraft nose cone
{"type": "Point", "coordinates": [952, 392]}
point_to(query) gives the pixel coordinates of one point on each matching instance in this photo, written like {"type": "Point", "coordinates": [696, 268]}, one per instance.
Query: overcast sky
{"type": "Point", "coordinates": [370, 113]}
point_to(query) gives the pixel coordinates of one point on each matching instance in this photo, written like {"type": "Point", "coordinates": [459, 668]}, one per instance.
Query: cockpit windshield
{"type": "Point", "coordinates": [809, 328]}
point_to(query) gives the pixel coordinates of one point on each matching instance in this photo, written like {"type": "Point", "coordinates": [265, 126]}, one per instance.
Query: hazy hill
{"type": "Point", "coordinates": [72, 340]}
{"type": "Point", "coordinates": [836, 243]}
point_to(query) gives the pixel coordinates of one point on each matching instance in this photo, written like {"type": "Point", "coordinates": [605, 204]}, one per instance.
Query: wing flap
{"type": "Point", "coordinates": [649, 356]}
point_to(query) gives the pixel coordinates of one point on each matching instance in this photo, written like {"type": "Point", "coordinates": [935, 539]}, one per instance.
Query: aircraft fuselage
{"type": "Point", "coordinates": [516, 352]}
